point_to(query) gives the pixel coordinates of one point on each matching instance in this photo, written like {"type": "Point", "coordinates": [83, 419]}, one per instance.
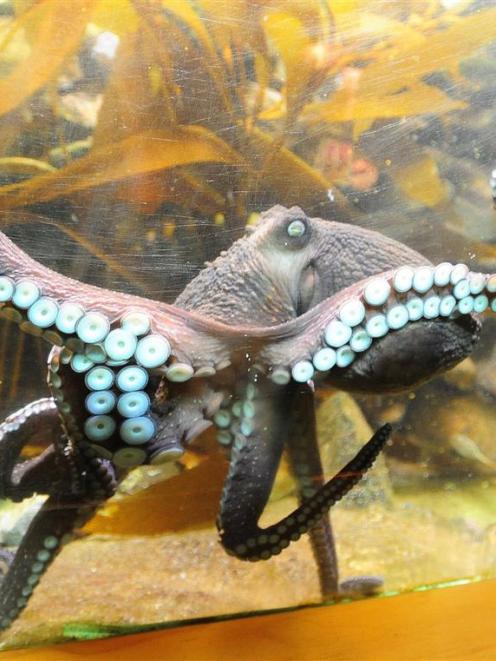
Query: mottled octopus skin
{"type": "Point", "coordinates": [240, 347]}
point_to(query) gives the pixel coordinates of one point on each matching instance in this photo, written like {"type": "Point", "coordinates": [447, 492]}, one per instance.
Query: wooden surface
{"type": "Point", "coordinates": [450, 623]}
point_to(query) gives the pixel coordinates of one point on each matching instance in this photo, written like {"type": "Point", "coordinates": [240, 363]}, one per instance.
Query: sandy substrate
{"type": "Point", "coordinates": [127, 581]}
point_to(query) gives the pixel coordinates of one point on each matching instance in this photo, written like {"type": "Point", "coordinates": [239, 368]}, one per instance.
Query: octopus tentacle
{"type": "Point", "coordinates": [261, 544]}
{"type": "Point", "coordinates": [334, 333]}
{"type": "Point", "coordinates": [182, 343]}
{"type": "Point", "coordinates": [83, 458]}
{"type": "Point", "coordinates": [35, 421]}
{"type": "Point", "coordinates": [254, 459]}
{"type": "Point", "coordinates": [69, 313]}
{"type": "Point", "coordinates": [306, 466]}
{"type": "Point", "coordinates": [255, 455]}
{"type": "Point", "coordinates": [181, 417]}
{"type": "Point", "coordinates": [43, 474]}
{"type": "Point", "coordinates": [49, 530]}
{"type": "Point", "coordinates": [81, 480]}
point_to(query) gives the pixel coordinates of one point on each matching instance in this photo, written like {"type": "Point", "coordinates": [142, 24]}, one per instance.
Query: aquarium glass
{"type": "Point", "coordinates": [139, 140]}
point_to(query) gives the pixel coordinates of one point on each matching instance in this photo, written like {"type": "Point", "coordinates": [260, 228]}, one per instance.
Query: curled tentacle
{"type": "Point", "coordinates": [44, 474]}
{"type": "Point", "coordinates": [257, 444]}
{"type": "Point", "coordinates": [255, 456]}
{"type": "Point", "coordinates": [49, 530]}
{"type": "Point", "coordinates": [77, 480]}
{"type": "Point", "coordinates": [37, 421]}
{"type": "Point", "coordinates": [416, 302]}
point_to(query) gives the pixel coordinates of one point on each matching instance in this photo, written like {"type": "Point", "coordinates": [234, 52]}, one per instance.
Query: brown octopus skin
{"type": "Point", "coordinates": [239, 328]}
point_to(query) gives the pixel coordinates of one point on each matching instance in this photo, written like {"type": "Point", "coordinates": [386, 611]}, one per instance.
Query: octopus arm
{"type": "Point", "coordinates": [61, 309]}
{"type": "Point", "coordinates": [48, 531]}
{"type": "Point", "coordinates": [76, 479]}
{"type": "Point", "coordinates": [339, 330]}
{"type": "Point", "coordinates": [37, 421]}
{"type": "Point", "coordinates": [306, 466]}
{"type": "Point", "coordinates": [254, 460]}
{"type": "Point", "coordinates": [255, 456]}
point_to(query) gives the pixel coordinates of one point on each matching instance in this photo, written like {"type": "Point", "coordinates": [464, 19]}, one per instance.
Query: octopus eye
{"type": "Point", "coordinates": [296, 228]}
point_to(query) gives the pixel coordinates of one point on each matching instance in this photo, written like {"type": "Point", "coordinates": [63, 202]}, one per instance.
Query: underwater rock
{"type": "Point", "coordinates": [15, 519]}
{"type": "Point", "coordinates": [342, 431]}
{"type": "Point", "coordinates": [464, 431]}
{"type": "Point", "coordinates": [486, 374]}
{"type": "Point", "coordinates": [456, 440]}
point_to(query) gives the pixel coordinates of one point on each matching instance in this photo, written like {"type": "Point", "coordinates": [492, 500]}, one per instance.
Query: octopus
{"type": "Point", "coordinates": [295, 302]}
